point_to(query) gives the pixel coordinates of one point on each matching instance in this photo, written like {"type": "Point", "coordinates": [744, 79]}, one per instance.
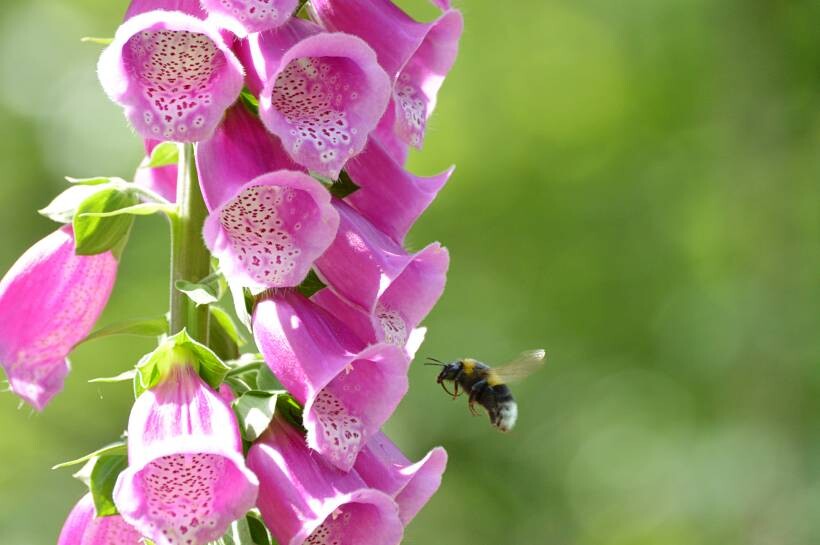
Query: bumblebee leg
{"type": "Point", "coordinates": [455, 390]}
{"type": "Point", "coordinates": [475, 393]}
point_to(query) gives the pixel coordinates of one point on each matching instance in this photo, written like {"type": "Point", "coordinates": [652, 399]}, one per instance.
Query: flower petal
{"type": "Point", "coordinates": [320, 93]}
{"type": "Point", "coordinates": [348, 391]}
{"type": "Point", "coordinates": [82, 527]}
{"type": "Point", "coordinates": [49, 301]}
{"type": "Point", "coordinates": [304, 500]}
{"type": "Point", "coordinates": [245, 16]}
{"type": "Point", "coordinates": [161, 180]}
{"type": "Point", "coordinates": [173, 74]}
{"type": "Point", "coordinates": [186, 480]}
{"type": "Point", "coordinates": [270, 233]}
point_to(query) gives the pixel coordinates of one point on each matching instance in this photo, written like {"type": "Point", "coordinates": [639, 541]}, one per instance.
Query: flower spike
{"type": "Point", "coordinates": [417, 55]}
{"type": "Point", "coordinates": [172, 73]}
{"type": "Point", "coordinates": [83, 527]}
{"type": "Point", "coordinates": [49, 301]}
{"type": "Point", "coordinates": [305, 500]}
{"type": "Point", "coordinates": [348, 391]}
{"type": "Point", "coordinates": [321, 94]}
{"type": "Point", "coordinates": [186, 480]}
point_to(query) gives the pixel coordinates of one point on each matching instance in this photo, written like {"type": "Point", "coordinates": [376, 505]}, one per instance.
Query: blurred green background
{"type": "Point", "coordinates": [636, 191]}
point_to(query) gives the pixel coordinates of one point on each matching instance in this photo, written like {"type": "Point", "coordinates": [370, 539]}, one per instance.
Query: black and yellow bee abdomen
{"type": "Point", "coordinates": [503, 409]}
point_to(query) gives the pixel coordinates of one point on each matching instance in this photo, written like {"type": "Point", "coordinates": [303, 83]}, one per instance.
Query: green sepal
{"type": "Point", "coordinates": [152, 327]}
{"type": "Point", "coordinates": [220, 340]}
{"type": "Point", "coordinates": [250, 101]}
{"type": "Point", "coordinates": [164, 154]}
{"type": "Point", "coordinates": [291, 410]}
{"type": "Point", "coordinates": [97, 180]}
{"type": "Point", "coordinates": [311, 284]}
{"type": "Point", "coordinates": [254, 410]}
{"type": "Point", "coordinates": [259, 532]}
{"type": "Point", "coordinates": [153, 367]}
{"type": "Point", "coordinates": [141, 209]}
{"type": "Point", "coordinates": [125, 376]}
{"type": "Point", "coordinates": [98, 41]}
{"type": "Point", "coordinates": [95, 235]}
{"type": "Point", "coordinates": [103, 479]}
{"type": "Point", "coordinates": [109, 450]}
{"type": "Point", "coordinates": [63, 207]}
{"type": "Point", "coordinates": [266, 380]}
{"type": "Point", "coordinates": [344, 186]}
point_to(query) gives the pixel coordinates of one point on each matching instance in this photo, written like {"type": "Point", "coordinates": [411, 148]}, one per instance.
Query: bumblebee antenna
{"type": "Point", "coordinates": [434, 361]}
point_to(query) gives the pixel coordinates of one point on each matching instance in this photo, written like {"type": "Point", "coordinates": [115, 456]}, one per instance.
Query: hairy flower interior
{"type": "Point", "coordinates": [180, 491]}
{"type": "Point", "coordinates": [412, 109]}
{"type": "Point", "coordinates": [350, 524]}
{"type": "Point", "coordinates": [175, 70]}
{"type": "Point", "coordinates": [317, 98]}
{"type": "Point", "coordinates": [264, 224]}
{"type": "Point", "coordinates": [394, 328]}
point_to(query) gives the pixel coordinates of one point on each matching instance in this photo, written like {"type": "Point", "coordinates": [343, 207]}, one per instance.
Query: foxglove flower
{"type": "Point", "coordinates": [389, 197]}
{"type": "Point", "coordinates": [245, 16]}
{"type": "Point", "coordinates": [383, 466]}
{"type": "Point", "coordinates": [172, 73]}
{"type": "Point", "coordinates": [370, 270]}
{"type": "Point", "coordinates": [348, 391]}
{"type": "Point", "coordinates": [320, 93]}
{"type": "Point", "coordinates": [186, 480]}
{"type": "Point", "coordinates": [304, 500]}
{"type": "Point", "coordinates": [417, 55]}
{"type": "Point", "coordinates": [270, 233]}
{"type": "Point", "coordinates": [161, 180]}
{"type": "Point", "coordinates": [49, 301]}
{"type": "Point", "coordinates": [83, 527]}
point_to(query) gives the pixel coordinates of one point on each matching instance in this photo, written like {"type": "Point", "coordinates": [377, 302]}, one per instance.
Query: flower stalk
{"type": "Point", "coordinates": [190, 259]}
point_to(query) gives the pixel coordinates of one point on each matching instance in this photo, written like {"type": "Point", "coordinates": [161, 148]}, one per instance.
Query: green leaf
{"type": "Point", "coordinates": [311, 284]}
{"type": "Point", "coordinates": [219, 339]}
{"type": "Point", "coordinates": [242, 303]}
{"type": "Point", "coordinates": [227, 323]}
{"type": "Point", "coordinates": [114, 448]}
{"type": "Point", "coordinates": [201, 294]}
{"type": "Point", "coordinates": [151, 327]}
{"type": "Point", "coordinates": [125, 376]}
{"type": "Point", "coordinates": [95, 235]}
{"type": "Point", "coordinates": [290, 409]}
{"type": "Point", "coordinates": [254, 410]}
{"type": "Point", "coordinates": [141, 209]}
{"type": "Point", "coordinates": [344, 186]}
{"type": "Point", "coordinates": [153, 366]}
{"type": "Point", "coordinates": [64, 205]}
{"type": "Point", "coordinates": [93, 40]}
{"type": "Point", "coordinates": [103, 478]}
{"type": "Point", "coordinates": [266, 380]}
{"type": "Point", "coordinates": [164, 154]}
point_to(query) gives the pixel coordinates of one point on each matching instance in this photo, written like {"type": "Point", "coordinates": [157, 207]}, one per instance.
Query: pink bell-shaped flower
{"type": "Point", "coordinates": [83, 527]}
{"type": "Point", "coordinates": [266, 226]}
{"type": "Point", "coordinates": [49, 301]}
{"type": "Point", "coordinates": [383, 466]}
{"type": "Point", "coordinates": [321, 94]}
{"type": "Point", "coordinates": [305, 500]}
{"type": "Point", "coordinates": [417, 55]}
{"type": "Point", "coordinates": [370, 270]}
{"type": "Point", "coordinates": [348, 391]}
{"type": "Point", "coordinates": [245, 16]}
{"type": "Point", "coordinates": [173, 73]}
{"type": "Point", "coordinates": [186, 480]}
{"type": "Point", "coordinates": [389, 197]}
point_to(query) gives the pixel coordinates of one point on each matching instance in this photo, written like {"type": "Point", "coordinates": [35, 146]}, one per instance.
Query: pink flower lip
{"type": "Point", "coordinates": [273, 229]}
{"type": "Point", "coordinates": [173, 74]}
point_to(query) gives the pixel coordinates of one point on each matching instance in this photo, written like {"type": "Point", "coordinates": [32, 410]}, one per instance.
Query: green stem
{"type": "Point", "coordinates": [190, 259]}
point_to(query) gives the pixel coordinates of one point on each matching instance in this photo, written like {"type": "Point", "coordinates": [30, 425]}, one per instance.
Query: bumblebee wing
{"type": "Point", "coordinates": [522, 366]}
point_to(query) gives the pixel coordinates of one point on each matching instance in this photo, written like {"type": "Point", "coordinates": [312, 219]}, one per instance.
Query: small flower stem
{"type": "Point", "coordinates": [190, 259]}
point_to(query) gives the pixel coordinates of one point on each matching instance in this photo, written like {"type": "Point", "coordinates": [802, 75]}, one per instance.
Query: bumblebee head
{"type": "Point", "coordinates": [449, 371]}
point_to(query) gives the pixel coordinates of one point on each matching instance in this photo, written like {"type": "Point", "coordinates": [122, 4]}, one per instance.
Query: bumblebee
{"type": "Point", "coordinates": [487, 385]}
